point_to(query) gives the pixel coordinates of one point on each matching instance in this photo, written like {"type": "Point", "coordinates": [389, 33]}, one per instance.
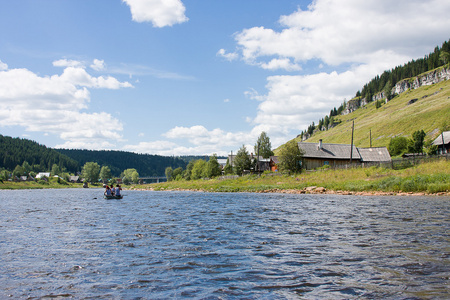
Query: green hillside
{"type": "Point", "coordinates": [16, 151]}
{"type": "Point", "coordinates": [395, 118]}
{"type": "Point", "coordinates": [118, 161]}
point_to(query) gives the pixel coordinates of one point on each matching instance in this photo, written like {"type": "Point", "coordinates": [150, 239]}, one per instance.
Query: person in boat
{"type": "Point", "coordinates": [117, 190]}
{"type": "Point", "coordinates": [108, 191]}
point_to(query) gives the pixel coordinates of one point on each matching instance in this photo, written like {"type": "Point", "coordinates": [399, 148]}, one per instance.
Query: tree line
{"type": "Point", "coordinates": [117, 161]}
{"type": "Point", "coordinates": [16, 151]}
{"type": "Point", "coordinates": [289, 162]}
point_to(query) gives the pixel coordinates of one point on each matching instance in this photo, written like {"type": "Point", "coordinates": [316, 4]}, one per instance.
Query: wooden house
{"type": "Point", "coordinates": [316, 155]}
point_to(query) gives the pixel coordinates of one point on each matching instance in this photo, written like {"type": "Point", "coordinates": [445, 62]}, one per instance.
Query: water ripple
{"type": "Point", "coordinates": [157, 245]}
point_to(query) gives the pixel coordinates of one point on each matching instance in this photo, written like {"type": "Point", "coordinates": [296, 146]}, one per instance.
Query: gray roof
{"type": "Point", "coordinates": [375, 154]}
{"type": "Point", "coordinates": [328, 151]}
{"type": "Point", "coordinates": [438, 140]}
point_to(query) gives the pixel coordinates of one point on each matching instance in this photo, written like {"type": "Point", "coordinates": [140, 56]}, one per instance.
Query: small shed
{"type": "Point", "coordinates": [374, 155]}
{"type": "Point", "coordinates": [74, 179]}
{"type": "Point", "coordinates": [273, 163]}
{"type": "Point", "coordinates": [443, 142]}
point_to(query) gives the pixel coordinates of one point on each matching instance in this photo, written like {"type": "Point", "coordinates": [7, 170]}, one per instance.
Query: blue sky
{"type": "Point", "coordinates": [191, 77]}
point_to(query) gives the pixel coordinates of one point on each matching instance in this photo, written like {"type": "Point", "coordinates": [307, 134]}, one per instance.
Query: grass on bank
{"type": "Point", "coordinates": [430, 177]}
{"type": "Point", "coordinates": [53, 183]}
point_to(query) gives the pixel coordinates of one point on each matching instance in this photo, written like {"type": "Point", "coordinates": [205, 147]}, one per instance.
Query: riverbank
{"type": "Point", "coordinates": [432, 178]}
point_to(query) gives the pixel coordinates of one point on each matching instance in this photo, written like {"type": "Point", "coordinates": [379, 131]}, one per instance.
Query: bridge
{"type": "Point", "coordinates": [152, 179]}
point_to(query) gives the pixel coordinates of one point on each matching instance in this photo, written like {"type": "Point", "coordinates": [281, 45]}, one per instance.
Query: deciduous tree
{"type": "Point", "coordinates": [241, 161]}
{"type": "Point", "coordinates": [169, 173]}
{"type": "Point", "coordinates": [290, 158]}
{"type": "Point", "coordinates": [198, 169]}
{"type": "Point", "coordinates": [213, 167]}
{"type": "Point", "coordinates": [130, 175]}
{"type": "Point", "coordinates": [105, 173]}
{"type": "Point", "coordinates": [91, 171]}
{"type": "Point", "coordinates": [398, 146]}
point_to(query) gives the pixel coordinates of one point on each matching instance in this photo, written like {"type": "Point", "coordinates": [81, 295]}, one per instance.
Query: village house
{"type": "Point", "coordinates": [443, 142]}
{"type": "Point", "coordinates": [42, 175]}
{"type": "Point", "coordinates": [263, 164]}
{"type": "Point", "coordinates": [316, 155]}
{"type": "Point", "coordinates": [273, 164]}
{"type": "Point", "coordinates": [74, 179]}
{"type": "Point", "coordinates": [26, 178]}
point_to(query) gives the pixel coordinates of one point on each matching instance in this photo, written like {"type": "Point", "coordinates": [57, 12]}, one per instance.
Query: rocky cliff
{"type": "Point", "coordinates": [428, 78]}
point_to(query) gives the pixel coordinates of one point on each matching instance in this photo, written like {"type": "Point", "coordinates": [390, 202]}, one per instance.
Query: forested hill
{"type": "Point", "coordinates": [16, 151]}
{"type": "Point", "coordinates": [118, 161]}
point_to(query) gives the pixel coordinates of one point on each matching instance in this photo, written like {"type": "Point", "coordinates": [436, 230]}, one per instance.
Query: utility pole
{"type": "Point", "coordinates": [351, 145]}
{"type": "Point", "coordinates": [370, 138]}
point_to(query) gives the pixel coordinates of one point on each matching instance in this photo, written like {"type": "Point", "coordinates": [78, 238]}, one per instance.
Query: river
{"type": "Point", "coordinates": [65, 244]}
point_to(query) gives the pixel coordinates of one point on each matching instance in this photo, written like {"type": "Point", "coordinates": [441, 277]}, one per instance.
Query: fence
{"type": "Point", "coordinates": [398, 163]}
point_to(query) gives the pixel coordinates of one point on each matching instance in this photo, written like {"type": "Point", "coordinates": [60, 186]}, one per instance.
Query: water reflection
{"type": "Point", "coordinates": [159, 245]}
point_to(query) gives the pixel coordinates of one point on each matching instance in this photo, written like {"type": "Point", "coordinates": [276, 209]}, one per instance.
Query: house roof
{"type": "Point", "coordinates": [274, 159]}
{"type": "Point", "coordinates": [328, 151]}
{"type": "Point", "coordinates": [43, 174]}
{"type": "Point", "coordinates": [438, 140]}
{"type": "Point", "coordinates": [374, 154]}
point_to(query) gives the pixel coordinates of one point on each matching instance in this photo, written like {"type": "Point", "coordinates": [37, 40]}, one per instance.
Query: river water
{"type": "Point", "coordinates": [64, 244]}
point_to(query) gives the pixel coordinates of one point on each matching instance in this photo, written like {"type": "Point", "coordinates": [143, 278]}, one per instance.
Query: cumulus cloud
{"type": "Point", "coordinates": [160, 13]}
{"type": "Point", "coordinates": [201, 141]}
{"type": "Point", "coordinates": [337, 32]}
{"type": "Point", "coordinates": [54, 104]}
{"type": "Point", "coordinates": [98, 65]}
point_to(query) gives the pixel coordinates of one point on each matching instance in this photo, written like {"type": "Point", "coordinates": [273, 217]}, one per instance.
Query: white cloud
{"type": "Point", "coordinates": [160, 13]}
{"type": "Point", "coordinates": [98, 65]}
{"type": "Point", "coordinates": [281, 63]}
{"type": "Point", "coordinates": [227, 56]}
{"type": "Point", "coordinates": [202, 142]}
{"type": "Point", "coordinates": [79, 76]}
{"type": "Point", "coordinates": [54, 104]}
{"type": "Point", "coordinates": [337, 32]}
{"type": "Point", "coordinates": [3, 66]}
{"type": "Point", "coordinates": [68, 63]}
